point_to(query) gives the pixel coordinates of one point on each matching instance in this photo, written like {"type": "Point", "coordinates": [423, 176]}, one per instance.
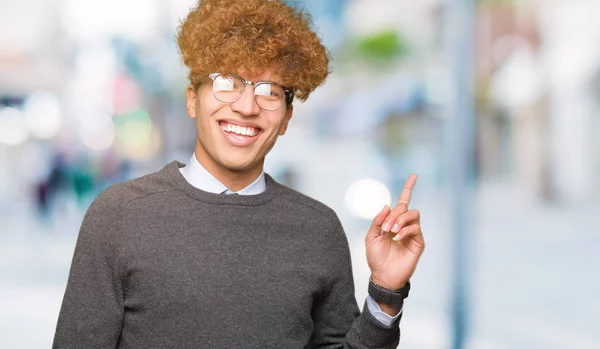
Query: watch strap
{"type": "Point", "coordinates": [387, 296]}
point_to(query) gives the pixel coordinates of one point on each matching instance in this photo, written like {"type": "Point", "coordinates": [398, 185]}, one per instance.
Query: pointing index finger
{"type": "Point", "coordinates": [407, 191]}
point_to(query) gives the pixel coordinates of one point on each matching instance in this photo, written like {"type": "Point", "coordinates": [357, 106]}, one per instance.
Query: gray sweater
{"type": "Point", "coordinates": [162, 264]}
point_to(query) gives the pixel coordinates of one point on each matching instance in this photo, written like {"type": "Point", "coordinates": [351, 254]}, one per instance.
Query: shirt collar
{"type": "Point", "coordinates": [200, 178]}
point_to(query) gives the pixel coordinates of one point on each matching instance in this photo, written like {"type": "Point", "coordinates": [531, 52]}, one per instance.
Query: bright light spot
{"type": "Point", "coordinates": [142, 151]}
{"type": "Point", "coordinates": [13, 130]}
{"type": "Point", "coordinates": [133, 129]}
{"type": "Point", "coordinates": [98, 136]}
{"type": "Point", "coordinates": [137, 138]}
{"type": "Point", "coordinates": [43, 115]}
{"type": "Point", "coordinates": [94, 119]}
{"type": "Point", "coordinates": [517, 83]}
{"type": "Point", "coordinates": [366, 197]}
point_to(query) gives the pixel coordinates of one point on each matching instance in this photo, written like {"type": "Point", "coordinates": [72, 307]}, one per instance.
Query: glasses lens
{"type": "Point", "coordinates": [227, 88]}
{"type": "Point", "coordinates": [269, 96]}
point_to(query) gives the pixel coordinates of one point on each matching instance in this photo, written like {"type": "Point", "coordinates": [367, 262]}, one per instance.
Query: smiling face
{"type": "Point", "coordinates": [234, 138]}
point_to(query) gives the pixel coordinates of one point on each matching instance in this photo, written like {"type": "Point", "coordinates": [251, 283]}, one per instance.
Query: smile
{"type": "Point", "coordinates": [239, 130]}
{"type": "Point", "coordinates": [238, 135]}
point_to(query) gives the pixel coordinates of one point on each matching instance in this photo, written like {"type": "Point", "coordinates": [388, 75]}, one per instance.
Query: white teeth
{"type": "Point", "coordinates": [245, 131]}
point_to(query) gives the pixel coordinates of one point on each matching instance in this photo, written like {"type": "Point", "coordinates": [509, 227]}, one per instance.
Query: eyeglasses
{"type": "Point", "coordinates": [268, 95]}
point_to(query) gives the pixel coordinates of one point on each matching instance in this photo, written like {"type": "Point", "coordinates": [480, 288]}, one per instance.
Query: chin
{"type": "Point", "coordinates": [239, 165]}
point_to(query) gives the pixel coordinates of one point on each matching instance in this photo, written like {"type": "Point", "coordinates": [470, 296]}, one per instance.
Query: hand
{"type": "Point", "coordinates": [395, 242]}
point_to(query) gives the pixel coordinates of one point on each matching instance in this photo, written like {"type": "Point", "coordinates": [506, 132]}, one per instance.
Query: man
{"type": "Point", "coordinates": [170, 260]}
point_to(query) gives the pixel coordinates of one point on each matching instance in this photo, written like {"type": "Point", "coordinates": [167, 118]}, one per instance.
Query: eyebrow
{"type": "Point", "coordinates": [285, 87]}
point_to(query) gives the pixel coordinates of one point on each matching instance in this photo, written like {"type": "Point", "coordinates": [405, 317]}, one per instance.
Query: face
{"type": "Point", "coordinates": [234, 138]}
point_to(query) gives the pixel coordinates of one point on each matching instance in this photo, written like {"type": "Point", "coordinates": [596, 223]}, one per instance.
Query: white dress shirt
{"type": "Point", "coordinates": [200, 178]}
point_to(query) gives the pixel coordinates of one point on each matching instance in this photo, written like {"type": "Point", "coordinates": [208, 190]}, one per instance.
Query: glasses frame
{"type": "Point", "coordinates": [288, 98]}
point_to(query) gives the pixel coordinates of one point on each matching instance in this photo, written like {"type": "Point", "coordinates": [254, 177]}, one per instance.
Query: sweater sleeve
{"type": "Point", "coordinates": [338, 323]}
{"type": "Point", "coordinates": [91, 315]}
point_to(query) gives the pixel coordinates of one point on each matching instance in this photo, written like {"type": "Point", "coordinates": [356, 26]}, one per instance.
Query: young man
{"type": "Point", "coordinates": [170, 260]}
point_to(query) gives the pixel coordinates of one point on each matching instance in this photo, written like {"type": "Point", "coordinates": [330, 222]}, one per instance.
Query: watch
{"type": "Point", "coordinates": [387, 296]}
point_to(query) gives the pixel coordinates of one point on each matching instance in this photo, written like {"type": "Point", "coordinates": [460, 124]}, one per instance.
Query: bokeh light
{"type": "Point", "coordinates": [136, 137]}
{"type": "Point", "coordinates": [366, 197]}
{"type": "Point", "coordinates": [98, 135]}
{"type": "Point", "coordinates": [43, 115]}
{"type": "Point", "coordinates": [13, 129]}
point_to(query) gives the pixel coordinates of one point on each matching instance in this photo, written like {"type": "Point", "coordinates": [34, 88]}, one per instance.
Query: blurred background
{"type": "Point", "coordinates": [494, 103]}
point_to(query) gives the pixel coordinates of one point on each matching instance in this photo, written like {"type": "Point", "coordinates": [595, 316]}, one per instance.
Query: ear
{"type": "Point", "coordinates": [191, 97]}
{"type": "Point", "coordinates": [286, 120]}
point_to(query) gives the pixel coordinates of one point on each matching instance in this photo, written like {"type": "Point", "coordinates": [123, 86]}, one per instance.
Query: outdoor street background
{"type": "Point", "coordinates": [93, 93]}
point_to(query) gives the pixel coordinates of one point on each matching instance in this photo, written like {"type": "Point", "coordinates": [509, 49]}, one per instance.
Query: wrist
{"type": "Point", "coordinates": [390, 286]}
{"type": "Point", "coordinates": [393, 297]}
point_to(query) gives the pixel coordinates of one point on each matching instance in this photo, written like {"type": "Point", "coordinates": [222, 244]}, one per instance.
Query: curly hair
{"type": "Point", "coordinates": [224, 35]}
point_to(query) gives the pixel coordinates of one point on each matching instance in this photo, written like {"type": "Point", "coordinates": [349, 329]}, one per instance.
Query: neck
{"type": "Point", "coordinates": [235, 180]}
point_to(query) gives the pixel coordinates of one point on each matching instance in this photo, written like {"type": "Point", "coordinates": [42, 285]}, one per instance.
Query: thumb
{"type": "Point", "coordinates": [375, 228]}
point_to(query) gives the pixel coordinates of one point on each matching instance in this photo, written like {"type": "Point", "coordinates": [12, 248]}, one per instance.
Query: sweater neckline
{"type": "Point", "coordinates": [172, 171]}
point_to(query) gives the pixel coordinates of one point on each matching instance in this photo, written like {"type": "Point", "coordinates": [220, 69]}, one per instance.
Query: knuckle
{"type": "Point", "coordinates": [415, 214]}
{"type": "Point", "coordinates": [402, 206]}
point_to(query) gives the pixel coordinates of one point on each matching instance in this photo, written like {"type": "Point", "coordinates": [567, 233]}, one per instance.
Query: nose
{"type": "Point", "coordinates": [246, 105]}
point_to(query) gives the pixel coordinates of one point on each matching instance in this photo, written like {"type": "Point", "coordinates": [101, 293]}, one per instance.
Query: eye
{"type": "Point", "coordinates": [224, 83]}
{"type": "Point", "coordinates": [268, 90]}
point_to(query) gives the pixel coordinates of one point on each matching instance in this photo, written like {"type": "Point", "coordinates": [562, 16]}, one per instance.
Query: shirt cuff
{"type": "Point", "coordinates": [382, 317]}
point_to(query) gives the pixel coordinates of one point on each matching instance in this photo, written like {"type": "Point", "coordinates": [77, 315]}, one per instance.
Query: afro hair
{"type": "Point", "coordinates": [225, 35]}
